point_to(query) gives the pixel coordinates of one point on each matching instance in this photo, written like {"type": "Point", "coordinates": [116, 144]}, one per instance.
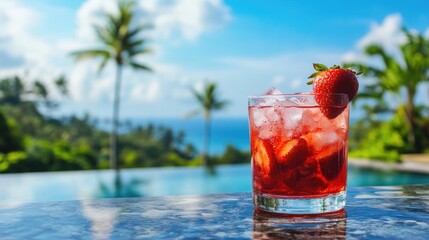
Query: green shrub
{"type": "Point", "coordinates": [233, 155]}
{"type": "Point", "coordinates": [10, 137]}
{"type": "Point", "coordinates": [384, 142]}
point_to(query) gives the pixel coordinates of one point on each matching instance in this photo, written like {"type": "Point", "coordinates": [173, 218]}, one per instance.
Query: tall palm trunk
{"type": "Point", "coordinates": [114, 164]}
{"type": "Point", "coordinates": [206, 138]}
{"type": "Point", "coordinates": [409, 110]}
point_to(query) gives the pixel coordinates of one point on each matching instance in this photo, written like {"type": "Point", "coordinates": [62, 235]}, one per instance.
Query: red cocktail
{"type": "Point", "coordinates": [299, 152]}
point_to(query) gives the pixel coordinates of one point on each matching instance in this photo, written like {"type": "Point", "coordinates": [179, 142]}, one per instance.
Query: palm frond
{"type": "Point", "coordinates": [220, 105]}
{"type": "Point", "coordinates": [366, 70]}
{"type": "Point", "coordinates": [134, 32]}
{"type": "Point", "coordinates": [138, 51]}
{"type": "Point", "coordinates": [102, 64]}
{"type": "Point", "coordinates": [39, 89]}
{"type": "Point", "coordinates": [119, 42]}
{"type": "Point", "coordinates": [90, 53]}
{"type": "Point", "coordinates": [105, 35]}
{"type": "Point", "coordinates": [140, 66]}
{"type": "Point", "coordinates": [192, 113]}
{"type": "Point", "coordinates": [208, 99]}
{"type": "Point", "coordinates": [130, 45]}
{"type": "Point", "coordinates": [377, 50]}
{"type": "Point", "coordinates": [113, 24]}
{"type": "Point", "coordinates": [198, 96]}
{"type": "Point", "coordinates": [61, 84]}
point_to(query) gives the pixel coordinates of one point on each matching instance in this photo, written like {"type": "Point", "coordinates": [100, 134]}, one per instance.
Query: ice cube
{"type": "Point", "coordinates": [328, 138]}
{"type": "Point", "coordinates": [314, 120]}
{"type": "Point", "coordinates": [266, 100]}
{"type": "Point", "coordinates": [272, 121]}
{"type": "Point", "coordinates": [291, 118]}
{"type": "Point", "coordinates": [272, 91]}
{"type": "Point", "coordinates": [324, 140]}
{"type": "Point", "coordinates": [296, 101]}
{"type": "Point", "coordinates": [304, 99]}
{"type": "Point", "coordinates": [266, 132]}
{"type": "Point", "coordinates": [264, 117]}
{"type": "Point", "coordinates": [287, 103]}
{"type": "Point", "coordinates": [258, 116]}
{"type": "Point", "coordinates": [271, 115]}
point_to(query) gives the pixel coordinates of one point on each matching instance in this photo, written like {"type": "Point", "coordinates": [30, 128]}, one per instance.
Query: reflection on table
{"type": "Point", "coordinates": [371, 213]}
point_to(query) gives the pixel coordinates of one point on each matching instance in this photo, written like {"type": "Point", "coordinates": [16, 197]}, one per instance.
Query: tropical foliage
{"type": "Point", "coordinates": [31, 141]}
{"type": "Point", "coordinates": [390, 129]}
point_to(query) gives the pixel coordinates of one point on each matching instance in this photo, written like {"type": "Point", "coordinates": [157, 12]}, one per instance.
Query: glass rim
{"type": "Point", "coordinates": [328, 100]}
{"type": "Point", "coordinates": [284, 95]}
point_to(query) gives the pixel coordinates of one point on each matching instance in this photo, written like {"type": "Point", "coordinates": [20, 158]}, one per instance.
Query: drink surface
{"type": "Point", "coordinates": [297, 151]}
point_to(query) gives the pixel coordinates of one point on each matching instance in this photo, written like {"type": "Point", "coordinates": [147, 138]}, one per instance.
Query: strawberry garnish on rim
{"type": "Point", "coordinates": [330, 81]}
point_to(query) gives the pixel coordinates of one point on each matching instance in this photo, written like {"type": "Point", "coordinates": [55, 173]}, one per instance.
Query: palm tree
{"type": "Point", "coordinates": [398, 75]}
{"type": "Point", "coordinates": [208, 101]}
{"type": "Point", "coordinates": [12, 90]}
{"type": "Point", "coordinates": [61, 84]}
{"type": "Point", "coordinates": [120, 42]}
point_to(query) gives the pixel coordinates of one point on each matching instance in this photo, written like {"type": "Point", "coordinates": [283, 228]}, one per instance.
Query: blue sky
{"type": "Point", "coordinates": [244, 46]}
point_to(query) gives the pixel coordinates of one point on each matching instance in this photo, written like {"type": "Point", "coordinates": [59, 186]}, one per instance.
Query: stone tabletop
{"type": "Point", "coordinates": [394, 212]}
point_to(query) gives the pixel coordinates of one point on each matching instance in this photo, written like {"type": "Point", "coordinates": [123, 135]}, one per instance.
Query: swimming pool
{"type": "Point", "coordinates": [56, 186]}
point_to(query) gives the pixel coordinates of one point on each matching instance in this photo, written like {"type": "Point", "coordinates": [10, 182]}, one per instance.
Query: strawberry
{"type": "Point", "coordinates": [291, 153]}
{"type": "Point", "coordinates": [264, 164]}
{"type": "Point", "coordinates": [262, 156]}
{"type": "Point", "coordinates": [334, 80]}
{"type": "Point", "coordinates": [302, 180]}
{"type": "Point", "coordinates": [332, 164]}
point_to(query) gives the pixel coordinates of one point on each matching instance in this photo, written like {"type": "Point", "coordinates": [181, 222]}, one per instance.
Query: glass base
{"type": "Point", "coordinates": [275, 204]}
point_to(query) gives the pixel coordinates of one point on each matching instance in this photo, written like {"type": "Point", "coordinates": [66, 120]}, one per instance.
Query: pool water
{"type": "Point", "coordinates": [55, 186]}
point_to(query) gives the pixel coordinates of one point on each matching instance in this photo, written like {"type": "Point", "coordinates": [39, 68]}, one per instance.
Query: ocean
{"type": "Point", "coordinates": [224, 131]}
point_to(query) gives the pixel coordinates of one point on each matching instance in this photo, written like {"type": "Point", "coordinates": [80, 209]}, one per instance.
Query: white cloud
{"type": "Point", "coordinates": [242, 77]}
{"type": "Point", "coordinates": [170, 85]}
{"type": "Point", "coordinates": [186, 18]}
{"type": "Point", "coordinates": [102, 88]}
{"type": "Point", "coordinates": [293, 85]}
{"type": "Point", "coordinates": [172, 19]}
{"type": "Point", "coordinates": [33, 57]}
{"type": "Point", "coordinates": [387, 34]}
{"type": "Point", "coordinates": [352, 56]}
{"type": "Point", "coordinates": [90, 14]}
{"type": "Point", "coordinates": [146, 92]}
{"type": "Point", "coordinates": [287, 64]}
{"type": "Point", "coordinates": [426, 34]}
{"type": "Point", "coordinates": [297, 83]}
{"type": "Point", "coordinates": [17, 23]}
{"type": "Point", "coordinates": [199, 85]}
{"type": "Point", "coordinates": [278, 79]}
{"type": "Point", "coordinates": [182, 94]}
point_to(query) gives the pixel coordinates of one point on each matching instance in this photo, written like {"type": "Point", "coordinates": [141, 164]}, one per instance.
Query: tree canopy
{"type": "Point", "coordinates": [407, 131]}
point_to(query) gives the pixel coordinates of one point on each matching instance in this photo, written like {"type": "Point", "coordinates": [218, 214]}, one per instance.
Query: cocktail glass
{"type": "Point", "coordinates": [299, 152]}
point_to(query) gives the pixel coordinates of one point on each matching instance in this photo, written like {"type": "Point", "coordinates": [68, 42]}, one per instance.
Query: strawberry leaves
{"type": "Point", "coordinates": [328, 83]}
{"type": "Point", "coordinates": [320, 67]}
